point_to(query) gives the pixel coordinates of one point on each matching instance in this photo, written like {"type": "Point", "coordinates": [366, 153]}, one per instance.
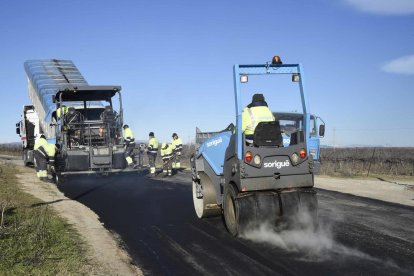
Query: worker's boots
{"type": "Point", "coordinates": [152, 172]}
{"type": "Point", "coordinates": [42, 174]}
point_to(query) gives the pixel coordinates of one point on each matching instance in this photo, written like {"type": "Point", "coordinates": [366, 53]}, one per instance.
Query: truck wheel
{"type": "Point", "coordinates": [231, 212]}
{"type": "Point", "coordinates": [205, 206]}
{"type": "Point", "coordinates": [58, 178]}
{"type": "Point", "coordinates": [24, 157]}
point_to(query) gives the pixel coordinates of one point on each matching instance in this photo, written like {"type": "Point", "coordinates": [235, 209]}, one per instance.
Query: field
{"type": "Point", "coordinates": [11, 149]}
{"type": "Point", "coordinates": [336, 162]}
{"type": "Point", "coordinates": [367, 161]}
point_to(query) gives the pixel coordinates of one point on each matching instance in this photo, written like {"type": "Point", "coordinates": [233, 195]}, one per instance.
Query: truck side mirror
{"type": "Point", "coordinates": [18, 128]}
{"type": "Point", "coordinates": [322, 130]}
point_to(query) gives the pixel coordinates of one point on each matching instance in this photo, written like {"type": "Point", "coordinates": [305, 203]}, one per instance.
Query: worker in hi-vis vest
{"type": "Point", "coordinates": [129, 143]}
{"type": "Point", "coordinates": [178, 147]}
{"type": "Point", "coordinates": [40, 157]}
{"type": "Point", "coordinates": [257, 111]}
{"type": "Point", "coordinates": [167, 151]}
{"type": "Point", "coordinates": [152, 151]}
{"type": "Point", "coordinates": [51, 153]}
{"type": "Point", "coordinates": [61, 111]}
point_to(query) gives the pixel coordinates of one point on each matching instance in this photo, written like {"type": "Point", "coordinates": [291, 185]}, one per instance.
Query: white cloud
{"type": "Point", "coordinates": [402, 65]}
{"type": "Point", "coordinates": [392, 7]}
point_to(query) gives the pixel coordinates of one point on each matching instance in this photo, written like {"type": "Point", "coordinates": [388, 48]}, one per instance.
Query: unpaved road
{"type": "Point", "coordinates": [156, 221]}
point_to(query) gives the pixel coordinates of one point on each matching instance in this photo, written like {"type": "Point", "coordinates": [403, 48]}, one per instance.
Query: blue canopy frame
{"type": "Point", "coordinates": [266, 69]}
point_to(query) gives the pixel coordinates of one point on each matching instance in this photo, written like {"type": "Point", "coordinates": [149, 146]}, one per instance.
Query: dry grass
{"type": "Point", "coordinates": [367, 161]}
{"type": "Point", "coordinates": [33, 239]}
{"type": "Point", "coordinates": [11, 149]}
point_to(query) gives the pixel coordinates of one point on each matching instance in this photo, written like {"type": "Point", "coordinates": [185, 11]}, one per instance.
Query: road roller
{"type": "Point", "coordinates": [257, 178]}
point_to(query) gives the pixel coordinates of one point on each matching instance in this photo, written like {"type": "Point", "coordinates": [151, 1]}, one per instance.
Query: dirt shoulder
{"type": "Point", "coordinates": [106, 255]}
{"type": "Point", "coordinates": [390, 190]}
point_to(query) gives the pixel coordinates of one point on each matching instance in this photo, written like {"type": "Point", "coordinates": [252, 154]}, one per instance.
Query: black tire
{"type": "Point", "coordinates": [58, 178]}
{"type": "Point", "coordinates": [231, 210]}
{"type": "Point", "coordinates": [34, 162]}
{"type": "Point", "coordinates": [24, 157]}
{"type": "Point", "coordinates": [207, 205]}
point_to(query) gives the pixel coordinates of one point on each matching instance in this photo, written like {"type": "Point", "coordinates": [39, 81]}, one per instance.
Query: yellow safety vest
{"type": "Point", "coordinates": [50, 149]}
{"type": "Point", "coordinates": [252, 116]}
{"type": "Point", "coordinates": [153, 145]}
{"type": "Point", "coordinates": [128, 137]}
{"type": "Point", "coordinates": [177, 143]}
{"type": "Point", "coordinates": [128, 134]}
{"type": "Point", "coordinates": [61, 111]}
{"type": "Point", "coordinates": [167, 153]}
{"type": "Point", "coordinates": [40, 142]}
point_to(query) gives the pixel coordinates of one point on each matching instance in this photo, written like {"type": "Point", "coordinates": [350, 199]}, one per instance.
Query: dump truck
{"type": "Point", "coordinates": [28, 128]}
{"type": "Point", "coordinates": [264, 182]}
{"type": "Point", "coordinates": [84, 121]}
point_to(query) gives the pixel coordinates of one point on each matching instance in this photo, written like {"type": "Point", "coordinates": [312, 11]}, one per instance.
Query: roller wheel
{"type": "Point", "coordinates": [206, 205]}
{"type": "Point", "coordinates": [231, 212]}
{"type": "Point", "coordinates": [300, 208]}
{"type": "Point", "coordinates": [309, 203]}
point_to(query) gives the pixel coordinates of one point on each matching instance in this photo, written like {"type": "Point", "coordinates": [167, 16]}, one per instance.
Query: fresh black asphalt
{"type": "Point", "coordinates": [157, 224]}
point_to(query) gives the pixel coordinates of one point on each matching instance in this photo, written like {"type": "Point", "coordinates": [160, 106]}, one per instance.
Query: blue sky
{"type": "Point", "coordinates": [174, 59]}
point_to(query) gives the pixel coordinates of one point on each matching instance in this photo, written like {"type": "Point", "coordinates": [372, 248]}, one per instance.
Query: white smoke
{"type": "Point", "coordinates": [316, 243]}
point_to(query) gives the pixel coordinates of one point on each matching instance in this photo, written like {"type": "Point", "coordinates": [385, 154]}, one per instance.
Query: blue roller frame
{"type": "Point", "coordinates": [267, 69]}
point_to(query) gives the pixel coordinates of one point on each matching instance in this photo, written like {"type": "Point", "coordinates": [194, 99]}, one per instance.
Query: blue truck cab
{"type": "Point", "coordinates": [290, 122]}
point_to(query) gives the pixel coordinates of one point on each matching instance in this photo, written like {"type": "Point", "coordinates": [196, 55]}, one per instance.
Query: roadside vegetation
{"type": "Point", "coordinates": [11, 149]}
{"type": "Point", "coordinates": [367, 161]}
{"type": "Point", "coordinates": [34, 240]}
{"type": "Point", "coordinates": [347, 162]}
{"type": "Point", "coordinates": [356, 162]}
